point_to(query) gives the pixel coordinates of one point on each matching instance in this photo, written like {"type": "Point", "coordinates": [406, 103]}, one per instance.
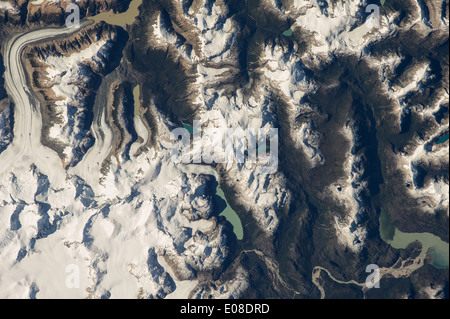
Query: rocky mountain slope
{"type": "Point", "coordinates": [67, 74]}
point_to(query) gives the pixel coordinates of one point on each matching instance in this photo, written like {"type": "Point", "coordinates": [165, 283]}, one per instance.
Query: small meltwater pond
{"type": "Point", "coordinates": [442, 139]}
{"type": "Point", "coordinates": [288, 33]}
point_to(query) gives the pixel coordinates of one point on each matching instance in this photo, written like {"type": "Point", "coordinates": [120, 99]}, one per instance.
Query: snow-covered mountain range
{"type": "Point", "coordinates": [361, 111]}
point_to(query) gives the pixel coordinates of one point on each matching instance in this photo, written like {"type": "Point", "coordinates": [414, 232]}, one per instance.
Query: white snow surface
{"type": "Point", "coordinates": [6, 6]}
